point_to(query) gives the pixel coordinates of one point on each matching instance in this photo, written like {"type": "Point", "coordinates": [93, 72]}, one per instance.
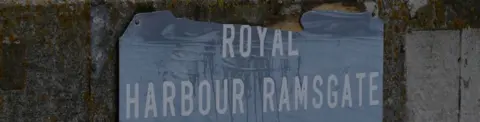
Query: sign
{"type": "Point", "coordinates": [179, 70]}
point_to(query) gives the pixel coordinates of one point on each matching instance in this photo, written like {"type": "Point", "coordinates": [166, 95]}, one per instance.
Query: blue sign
{"type": "Point", "coordinates": [179, 70]}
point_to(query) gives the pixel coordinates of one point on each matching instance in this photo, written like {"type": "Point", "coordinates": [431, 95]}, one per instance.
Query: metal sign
{"type": "Point", "coordinates": [179, 70]}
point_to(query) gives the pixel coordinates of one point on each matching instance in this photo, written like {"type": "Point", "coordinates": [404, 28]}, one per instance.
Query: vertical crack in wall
{"type": "Point", "coordinates": [459, 114]}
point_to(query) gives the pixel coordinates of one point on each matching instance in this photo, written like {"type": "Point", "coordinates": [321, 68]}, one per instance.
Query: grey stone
{"type": "Point", "coordinates": [470, 78]}
{"type": "Point", "coordinates": [432, 76]}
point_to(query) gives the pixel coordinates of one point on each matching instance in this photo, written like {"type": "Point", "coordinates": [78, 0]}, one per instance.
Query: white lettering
{"type": "Point", "coordinates": [168, 99]}
{"type": "Point", "coordinates": [360, 77]}
{"type": "Point", "coordinates": [186, 96]}
{"type": "Point", "coordinates": [347, 92]}
{"type": "Point", "coordinates": [228, 41]}
{"type": "Point", "coordinates": [237, 95]}
{"type": "Point", "coordinates": [132, 100]}
{"type": "Point", "coordinates": [235, 102]}
{"type": "Point", "coordinates": [373, 88]}
{"type": "Point", "coordinates": [151, 104]}
{"type": "Point", "coordinates": [245, 52]}
{"type": "Point", "coordinates": [277, 43]}
{"type": "Point", "coordinates": [291, 52]}
{"type": "Point", "coordinates": [284, 98]}
{"type": "Point", "coordinates": [221, 110]}
{"type": "Point", "coordinates": [332, 93]}
{"type": "Point", "coordinates": [317, 103]}
{"type": "Point", "coordinates": [262, 33]}
{"type": "Point", "coordinates": [204, 87]}
{"type": "Point", "coordinates": [268, 95]}
{"type": "Point", "coordinates": [301, 92]}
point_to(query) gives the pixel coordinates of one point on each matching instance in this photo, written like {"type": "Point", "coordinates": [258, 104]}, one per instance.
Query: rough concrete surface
{"type": "Point", "coordinates": [470, 76]}
{"type": "Point", "coordinates": [432, 76]}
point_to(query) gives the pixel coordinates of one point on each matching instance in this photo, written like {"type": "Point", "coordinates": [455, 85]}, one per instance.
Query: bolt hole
{"type": "Point", "coordinates": [137, 22]}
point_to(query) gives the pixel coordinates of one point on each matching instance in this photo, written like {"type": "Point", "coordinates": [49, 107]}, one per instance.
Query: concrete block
{"type": "Point", "coordinates": [470, 76]}
{"type": "Point", "coordinates": [432, 76]}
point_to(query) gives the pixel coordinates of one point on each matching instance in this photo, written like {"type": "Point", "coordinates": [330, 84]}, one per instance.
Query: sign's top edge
{"type": "Point", "coordinates": [340, 14]}
{"type": "Point", "coordinates": [314, 23]}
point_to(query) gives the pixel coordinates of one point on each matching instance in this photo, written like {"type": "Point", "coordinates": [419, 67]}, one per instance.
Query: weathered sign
{"type": "Point", "coordinates": [179, 70]}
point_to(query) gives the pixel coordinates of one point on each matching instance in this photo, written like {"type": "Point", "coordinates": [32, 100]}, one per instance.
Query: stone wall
{"type": "Point", "coordinates": [442, 76]}
{"type": "Point", "coordinates": [432, 76]}
{"type": "Point", "coordinates": [59, 60]}
{"type": "Point", "coordinates": [469, 78]}
{"type": "Point", "coordinates": [45, 63]}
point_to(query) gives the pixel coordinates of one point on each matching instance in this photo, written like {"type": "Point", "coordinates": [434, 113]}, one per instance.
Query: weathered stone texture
{"type": "Point", "coordinates": [470, 76]}
{"type": "Point", "coordinates": [432, 76]}
{"type": "Point", "coordinates": [52, 52]}
{"type": "Point", "coordinates": [394, 84]}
